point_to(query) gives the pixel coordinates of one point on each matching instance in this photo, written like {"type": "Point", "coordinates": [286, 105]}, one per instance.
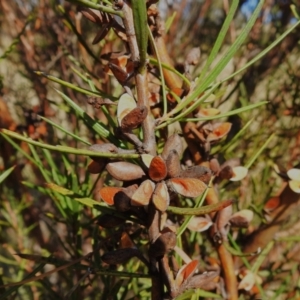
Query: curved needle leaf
{"type": "Point", "coordinates": [65, 131]}
{"type": "Point", "coordinates": [6, 173]}
{"type": "Point", "coordinates": [74, 87]}
{"type": "Point", "coordinates": [66, 149]}
{"type": "Point", "coordinates": [203, 210]}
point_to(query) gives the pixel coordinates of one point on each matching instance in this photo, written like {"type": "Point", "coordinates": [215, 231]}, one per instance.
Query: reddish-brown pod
{"type": "Point", "coordinates": [271, 204]}
{"type": "Point", "coordinates": [108, 193]}
{"type": "Point", "coordinates": [134, 118]}
{"type": "Point", "coordinates": [186, 272]}
{"type": "Point", "coordinates": [126, 241]}
{"type": "Point", "coordinates": [157, 169]}
{"type": "Point", "coordinates": [125, 105]}
{"type": "Point", "coordinates": [121, 74]}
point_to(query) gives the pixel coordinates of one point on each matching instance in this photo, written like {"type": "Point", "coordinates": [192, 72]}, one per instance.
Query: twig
{"type": "Point", "coordinates": [149, 143]}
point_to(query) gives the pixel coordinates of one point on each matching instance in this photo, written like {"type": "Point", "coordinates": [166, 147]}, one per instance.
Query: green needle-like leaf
{"type": "Point", "coordinates": [65, 149]}
{"type": "Point", "coordinates": [6, 173]}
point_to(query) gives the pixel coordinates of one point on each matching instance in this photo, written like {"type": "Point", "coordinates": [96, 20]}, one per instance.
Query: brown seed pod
{"type": "Point", "coordinates": [157, 169]}
{"type": "Point", "coordinates": [143, 194]}
{"type": "Point", "coordinates": [161, 198]}
{"type": "Point", "coordinates": [108, 193]}
{"type": "Point", "coordinates": [124, 171]}
{"type": "Point", "coordinates": [173, 164]}
{"type": "Point", "coordinates": [200, 172]}
{"type": "Point", "coordinates": [134, 118]}
{"type": "Point", "coordinates": [186, 272]}
{"type": "Point", "coordinates": [173, 143]}
{"type": "Point", "coordinates": [188, 187]}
